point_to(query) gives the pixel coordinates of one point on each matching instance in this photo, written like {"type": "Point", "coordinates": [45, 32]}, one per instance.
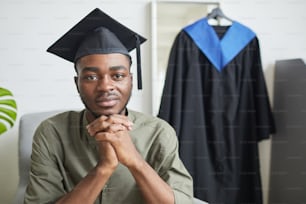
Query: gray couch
{"type": "Point", "coordinates": [28, 124]}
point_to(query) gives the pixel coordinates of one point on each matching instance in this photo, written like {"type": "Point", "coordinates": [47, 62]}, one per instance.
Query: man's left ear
{"type": "Point", "coordinates": [131, 75]}
{"type": "Point", "coordinates": [76, 83]}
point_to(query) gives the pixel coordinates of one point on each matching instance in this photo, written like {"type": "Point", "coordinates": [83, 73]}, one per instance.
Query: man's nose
{"type": "Point", "coordinates": [105, 83]}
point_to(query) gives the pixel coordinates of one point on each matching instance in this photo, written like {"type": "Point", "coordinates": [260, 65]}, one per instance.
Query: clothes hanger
{"type": "Point", "coordinates": [216, 14]}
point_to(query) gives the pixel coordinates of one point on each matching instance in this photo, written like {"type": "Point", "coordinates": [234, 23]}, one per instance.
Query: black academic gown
{"type": "Point", "coordinates": [220, 112]}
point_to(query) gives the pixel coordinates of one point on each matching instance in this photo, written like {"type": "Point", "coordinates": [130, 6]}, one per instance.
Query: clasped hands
{"type": "Point", "coordinates": [115, 143]}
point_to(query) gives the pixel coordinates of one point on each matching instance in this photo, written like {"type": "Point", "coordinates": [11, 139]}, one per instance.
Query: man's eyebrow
{"type": "Point", "coordinates": [119, 67]}
{"type": "Point", "coordinates": [90, 69]}
{"type": "Point", "coordinates": [96, 69]}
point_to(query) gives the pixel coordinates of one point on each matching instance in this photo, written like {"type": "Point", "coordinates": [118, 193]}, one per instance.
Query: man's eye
{"type": "Point", "coordinates": [91, 78]}
{"type": "Point", "coordinates": [118, 76]}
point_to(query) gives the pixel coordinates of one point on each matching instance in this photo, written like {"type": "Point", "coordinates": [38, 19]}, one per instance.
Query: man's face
{"type": "Point", "coordinates": [104, 83]}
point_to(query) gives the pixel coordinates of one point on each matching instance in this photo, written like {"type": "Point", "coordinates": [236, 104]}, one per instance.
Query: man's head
{"type": "Point", "coordinates": [99, 47]}
{"type": "Point", "coordinates": [104, 82]}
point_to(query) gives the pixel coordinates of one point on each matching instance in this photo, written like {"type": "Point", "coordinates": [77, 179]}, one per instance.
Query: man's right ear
{"type": "Point", "coordinates": [76, 78]}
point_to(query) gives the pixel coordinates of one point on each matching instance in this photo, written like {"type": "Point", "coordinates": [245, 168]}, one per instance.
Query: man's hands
{"type": "Point", "coordinates": [114, 146]}
{"type": "Point", "coordinates": [115, 143]}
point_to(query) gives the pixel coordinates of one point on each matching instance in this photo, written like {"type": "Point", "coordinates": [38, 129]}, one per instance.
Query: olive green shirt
{"type": "Point", "coordinates": [63, 153]}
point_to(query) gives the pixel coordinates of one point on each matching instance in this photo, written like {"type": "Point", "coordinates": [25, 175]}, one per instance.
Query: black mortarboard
{"type": "Point", "coordinates": [98, 33]}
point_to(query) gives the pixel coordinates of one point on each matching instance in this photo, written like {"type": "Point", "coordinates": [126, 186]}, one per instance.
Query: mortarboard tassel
{"type": "Point", "coordinates": [139, 77]}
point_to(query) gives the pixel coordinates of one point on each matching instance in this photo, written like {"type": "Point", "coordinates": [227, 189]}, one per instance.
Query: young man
{"type": "Point", "coordinates": [105, 153]}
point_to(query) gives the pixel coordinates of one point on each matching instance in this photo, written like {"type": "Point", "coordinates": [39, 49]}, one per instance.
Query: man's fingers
{"type": "Point", "coordinates": [105, 137]}
{"type": "Point", "coordinates": [111, 123]}
{"type": "Point", "coordinates": [120, 119]}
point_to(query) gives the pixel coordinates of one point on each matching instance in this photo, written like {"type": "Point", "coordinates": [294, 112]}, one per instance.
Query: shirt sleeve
{"type": "Point", "coordinates": [173, 170]}
{"type": "Point", "coordinates": [45, 181]}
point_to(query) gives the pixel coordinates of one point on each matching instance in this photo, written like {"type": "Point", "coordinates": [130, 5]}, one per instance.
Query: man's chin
{"type": "Point", "coordinates": [107, 112]}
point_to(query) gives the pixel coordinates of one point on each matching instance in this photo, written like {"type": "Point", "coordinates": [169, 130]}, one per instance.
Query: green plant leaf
{"type": "Point", "coordinates": [9, 102]}
{"type": "Point", "coordinates": [9, 120]}
{"type": "Point", "coordinates": [11, 113]}
{"type": "Point", "coordinates": [8, 110]}
{"type": "Point", "coordinates": [3, 128]}
{"type": "Point", "coordinates": [5, 92]}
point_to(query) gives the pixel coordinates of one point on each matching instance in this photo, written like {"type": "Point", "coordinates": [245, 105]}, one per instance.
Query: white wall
{"type": "Point", "coordinates": [41, 81]}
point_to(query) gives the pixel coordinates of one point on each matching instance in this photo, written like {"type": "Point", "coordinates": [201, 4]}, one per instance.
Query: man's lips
{"type": "Point", "coordinates": [107, 101]}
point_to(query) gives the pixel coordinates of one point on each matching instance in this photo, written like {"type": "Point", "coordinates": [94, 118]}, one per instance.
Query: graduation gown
{"type": "Point", "coordinates": [215, 97]}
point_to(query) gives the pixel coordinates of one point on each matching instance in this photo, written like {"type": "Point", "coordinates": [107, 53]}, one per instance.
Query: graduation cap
{"type": "Point", "coordinates": [98, 33]}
